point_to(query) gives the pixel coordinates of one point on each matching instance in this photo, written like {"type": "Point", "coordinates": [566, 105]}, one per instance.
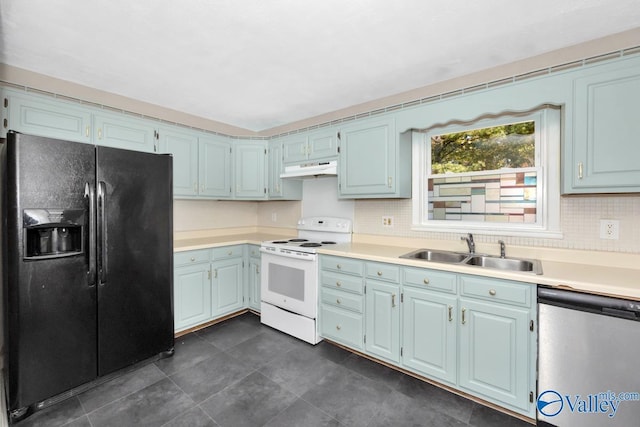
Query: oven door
{"type": "Point", "coordinates": [290, 283]}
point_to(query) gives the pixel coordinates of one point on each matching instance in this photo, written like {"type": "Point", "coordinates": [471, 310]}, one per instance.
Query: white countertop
{"type": "Point", "coordinates": [621, 281]}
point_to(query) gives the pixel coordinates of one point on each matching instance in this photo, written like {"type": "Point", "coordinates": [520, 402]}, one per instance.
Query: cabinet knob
{"type": "Point", "coordinates": [338, 284]}
{"type": "Point", "coordinates": [193, 259]}
{"type": "Point", "coordinates": [492, 292]}
{"type": "Point", "coordinates": [86, 131]}
{"type": "Point", "coordinates": [338, 327]}
{"type": "Point", "coordinates": [379, 273]}
{"type": "Point", "coordinates": [230, 253]}
{"type": "Point", "coordinates": [339, 267]}
{"type": "Point", "coordinates": [338, 301]}
{"type": "Point", "coordinates": [99, 133]}
{"type": "Point", "coordinates": [426, 281]}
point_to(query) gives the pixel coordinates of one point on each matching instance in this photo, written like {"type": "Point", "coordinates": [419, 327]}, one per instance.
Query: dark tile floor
{"type": "Point", "coordinates": [242, 373]}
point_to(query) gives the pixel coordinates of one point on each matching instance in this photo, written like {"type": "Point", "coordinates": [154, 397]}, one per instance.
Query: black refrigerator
{"type": "Point", "coordinates": [87, 264]}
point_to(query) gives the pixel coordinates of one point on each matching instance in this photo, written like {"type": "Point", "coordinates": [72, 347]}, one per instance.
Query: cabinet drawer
{"type": "Point", "coordinates": [430, 279]}
{"type": "Point", "coordinates": [343, 265]}
{"type": "Point", "coordinates": [191, 257]}
{"type": "Point", "coordinates": [226, 252]}
{"type": "Point", "coordinates": [341, 326]}
{"type": "Point", "coordinates": [341, 281]}
{"type": "Point", "coordinates": [496, 290]}
{"type": "Point", "coordinates": [379, 271]}
{"type": "Point", "coordinates": [342, 299]}
{"type": "Point", "coordinates": [254, 251]}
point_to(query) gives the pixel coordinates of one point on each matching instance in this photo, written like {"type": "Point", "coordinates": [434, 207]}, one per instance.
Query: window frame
{"type": "Point", "coordinates": [547, 133]}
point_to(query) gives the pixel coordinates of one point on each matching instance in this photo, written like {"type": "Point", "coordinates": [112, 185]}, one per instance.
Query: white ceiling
{"type": "Point", "coordinates": [258, 64]}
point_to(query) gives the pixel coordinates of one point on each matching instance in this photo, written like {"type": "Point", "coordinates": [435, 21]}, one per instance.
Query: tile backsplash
{"type": "Point", "coordinates": [580, 223]}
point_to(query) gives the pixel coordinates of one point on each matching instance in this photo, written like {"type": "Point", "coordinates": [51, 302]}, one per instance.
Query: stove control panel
{"type": "Point", "coordinates": [330, 224]}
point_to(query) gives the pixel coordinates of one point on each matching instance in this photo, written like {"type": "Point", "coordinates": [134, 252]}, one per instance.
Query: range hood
{"type": "Point", "coordinates": [308, 170]}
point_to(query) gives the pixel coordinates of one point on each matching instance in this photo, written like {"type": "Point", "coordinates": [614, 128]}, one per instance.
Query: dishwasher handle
{"type": "Point", "coordinates": [609, 306]}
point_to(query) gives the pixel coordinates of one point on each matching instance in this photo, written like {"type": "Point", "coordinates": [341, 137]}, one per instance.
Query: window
{"type": "Point", "coordinates": [496, 175]}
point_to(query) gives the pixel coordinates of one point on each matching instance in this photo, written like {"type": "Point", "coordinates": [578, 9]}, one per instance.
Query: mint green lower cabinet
{"type": "Point", "coordinates": [429, 338]}
{"type": "Point", "coordinates": [341, 326]}
{"type": "Point", "coordinates": [192, 295]}
{"type": "Point", "coordinates": [253, 280]}
{"type": "Point", "coordinates": [227, 286]}
{"type": "Point", "coordinates": [494, 353]}
{"type": "Point", "coordinates": [382, 320]}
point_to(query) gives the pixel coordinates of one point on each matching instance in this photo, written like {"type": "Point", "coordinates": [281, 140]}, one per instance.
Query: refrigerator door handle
{"type": "Point", "coordinates": [102, 233]}
{"type": "Point", "coordinates": [90, 195]}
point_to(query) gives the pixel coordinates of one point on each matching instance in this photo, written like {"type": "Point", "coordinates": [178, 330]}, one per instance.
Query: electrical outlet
{"type": "Point", "coordinates": [609, 229]}
{"type": "Point", "coordinates": [387, 221]}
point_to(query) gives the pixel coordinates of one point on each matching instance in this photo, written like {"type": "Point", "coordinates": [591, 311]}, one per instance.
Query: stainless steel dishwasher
{"type": "Point", "coordinates": [588, 360]}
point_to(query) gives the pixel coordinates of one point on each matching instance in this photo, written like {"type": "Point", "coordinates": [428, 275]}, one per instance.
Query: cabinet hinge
{"type": "Point", "coordinates": [401, 351]}
{"type": "Point", "coordinates": [6, 102]}
{"type": "Point", "coordinates": [265, 190]}
{"type": "Point", "coordinates": [365, 339]}
{"type": "Point", "coordinates": [338, 138]}
{"type": "Point", "coordinates": [230, 150]}
{"type": "Point", "coordinates": [531, 325]}
{"type": "Point", "coordinates": [209, 274]}
{"type": "Point", "coordinates": [338, 149]}
{"type": "Point", "coordinates": [402, 297]}
{"type": "Point", "coordinates": [531, 396]}
{"type": "Point", "coordinates": [265, 151]}
{"type": "Point", "coordinates": [242, 264]}
{"type": "Point", "coordinates": [365, 289]}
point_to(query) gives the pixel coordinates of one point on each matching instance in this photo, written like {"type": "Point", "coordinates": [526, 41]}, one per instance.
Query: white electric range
{"type": "Point", "coordinates": [289, 276]}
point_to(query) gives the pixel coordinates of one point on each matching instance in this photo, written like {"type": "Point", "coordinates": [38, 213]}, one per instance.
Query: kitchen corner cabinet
{"type": "Point", "coordinates": [603, 156]}
{"type": "Point", "coordinates": [375, 162]}
{"type": "Point", "coordinates": [382, 320]}
{"type": "Point", "coordinates": [314, 146]}
{"type": "Point", "coordinates": [278, 188]}
{"type": "Point", "coordinates": [250, 158]}
{"type": "Point", "coordinates": [253, 277]}
{"type": "Point", "coordinates": [342, 300]}
{"type": "Point", "coordinates": [43, 116]}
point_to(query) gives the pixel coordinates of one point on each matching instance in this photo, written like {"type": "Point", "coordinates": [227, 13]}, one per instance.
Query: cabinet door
{"type": "Point", "coordinates": [494, 351]}
{"type": "Point", "coordinates": [606, 141]}
{"type": "Point", "coordinates": [368, 159]}
{"type": "Point", "coordinates": [120, 131]}
{"type": "Point", "coordinates": [275, 169]}
{"type": "Point", "coordinates": [254, 283]}
{"type": "Point", "coordinates": [322, 145]}
{"type": "Point", "coordinates": [295, 149]}
{"type": "Point", "coordinates": [227, 286]}
{"type": "Point", "coordinates": [250, 170]}
{"type": "Point", "coordinates": [184, 148]}
{"type": "Point", "coordinates": [382, 324]}
{"type": "Point", "coordinates": [192, 295]}
{"type": "Point", "coordinates": [40, 116]}
{"type": "Point", "coordinates": [214, 167]}
{"type": "Point", "coordinates": [429, 334]}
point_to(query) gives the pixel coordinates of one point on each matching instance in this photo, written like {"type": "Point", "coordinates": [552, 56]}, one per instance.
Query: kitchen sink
{"type": "Point", "coordinates": [436, 256]}
{"type": "Point", "coordinates": [510, 264]}
{"type": "Point", "coordinates": [483, 261]}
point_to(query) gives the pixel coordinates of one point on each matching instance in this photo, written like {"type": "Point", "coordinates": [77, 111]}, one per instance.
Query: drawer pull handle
{"type": "Point", "coordinates": [230, 253]}
{"type": "Point", "coordinates": [580, 170]}
{"type": "Point", "coordinates": [338, 284]}
{"type": "Point", "coordinates": [193, 259]}
{"type": "Point", "coordinates": [492, 292]}
{"type": "Point", "coordinates": [338, 301]}
{"type": "Point", "coordinates": [338, 327]}
{"type": "Point", "coordinates": [339, 267]}
{"type": "Point", "coordinates": [426, 281]}
{"type": "Point", "coordinates": [463, 319]}
{"type": "Point", "coordinates": [393, 300]}
{"type": "Point", "coordinates": [379, 273]}
{"type": "Point", "coordinates": [450, 313]}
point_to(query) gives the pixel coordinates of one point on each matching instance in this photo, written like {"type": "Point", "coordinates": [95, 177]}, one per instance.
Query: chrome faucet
{"type": "Point", "coordinates": [502, 248]}
{"type": "Point", "coordinates": [470, 243]}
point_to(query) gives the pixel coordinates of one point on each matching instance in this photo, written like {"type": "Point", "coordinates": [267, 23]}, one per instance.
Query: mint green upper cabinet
{"type": "Point", "coordinates": [374, 161]}
{"type": "Point", "coordinates": [309, 147]}
{"type": "Point", "coordinates": [43, 116]}
{"type": "Point", "coordinates": [278, 188]}
{"type": "Point", "coordinates": [120, 131]}
{"type": "Point", "coordinates": [214, 167]}
{"type": "Point", "coordinates": [250, 170]}
{"type": "Point", "coordinates": [606, 132]}
{"type": "Point", "coordinates": [183, 145]}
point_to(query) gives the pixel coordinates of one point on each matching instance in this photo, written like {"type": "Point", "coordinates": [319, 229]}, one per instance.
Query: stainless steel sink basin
{"type": "Point", "coordinates": [510, 264]}
{"type": "Point", "coordinates": [484, 261]}
{"type": "Point", "coordinates": [436, 256]}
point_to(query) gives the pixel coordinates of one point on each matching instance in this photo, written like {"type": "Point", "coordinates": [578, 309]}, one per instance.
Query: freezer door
{"type": "Point", "coordinates": [50, 298]}
{"type": "Point", "coordinates": [135, 257]}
